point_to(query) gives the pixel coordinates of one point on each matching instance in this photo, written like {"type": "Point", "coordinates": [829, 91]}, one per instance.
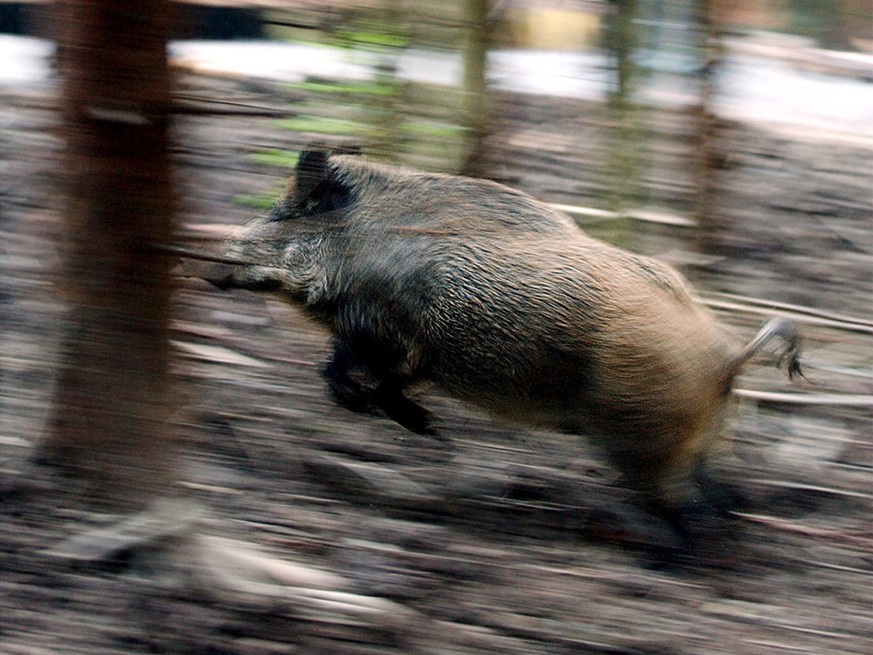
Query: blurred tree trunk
{"type": "Point", "coordinates": [709, 158]}
{"type": "Point", "coordinates": [475, 84]}
{"type": "Point", "coordinates": [624, 140]}
{"type": "Point", "coordinates": [621, 41]}
{"type": "Point", "coordinates": [386, 113]}
{"type": "Point", "coordinates": [110, 424]}
{"type": "Point", "coordinates": [109, 419]}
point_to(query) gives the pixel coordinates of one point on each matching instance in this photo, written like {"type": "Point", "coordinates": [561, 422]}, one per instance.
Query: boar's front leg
{"type": "Point", "coordinates": [387, 395]}
{"type": "Point", "coordinates": [347, 391]}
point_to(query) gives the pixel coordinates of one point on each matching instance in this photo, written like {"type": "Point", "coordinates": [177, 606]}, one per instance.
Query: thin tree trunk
{"type": "Point", "coordinates": [624, 145]}
{"type": "Point", "coordinates": [709, 157]}
{"type": "Point", "coordinates": [475, 84]}
{"type": "Point", "coordinates": [109, 419]}
{"type": "Point", "coordinates": [623, 41]}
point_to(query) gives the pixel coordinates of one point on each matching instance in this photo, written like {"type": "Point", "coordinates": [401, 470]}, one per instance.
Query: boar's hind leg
{"type": "Point", "coordinates": [720, 496]}
{"type": "Point", "coordinates": [681, 493]}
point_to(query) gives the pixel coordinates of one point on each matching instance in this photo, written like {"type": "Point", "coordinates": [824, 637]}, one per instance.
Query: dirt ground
{"type": "Point", "coordinates": [503, 540]}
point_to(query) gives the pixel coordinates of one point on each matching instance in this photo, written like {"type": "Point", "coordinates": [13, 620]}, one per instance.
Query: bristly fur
{"type": "Point", "coordinates": [505, 303]}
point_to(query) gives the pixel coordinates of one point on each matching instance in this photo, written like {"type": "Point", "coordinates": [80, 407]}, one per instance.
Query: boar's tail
{"type": "Point", "coordinates": [784, 329]}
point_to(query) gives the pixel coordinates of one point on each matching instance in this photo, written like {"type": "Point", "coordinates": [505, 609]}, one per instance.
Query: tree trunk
{"type": "Point", "coordinates": [624, 145]}
{"type": "Point", "coordinates": [475, 97]}
{"type": "Point", "coordinates": [709, 157]}
{"type": "Point", "coordinates": [109, 420]}
{"type": "Point", "coordinates": [623, 41]}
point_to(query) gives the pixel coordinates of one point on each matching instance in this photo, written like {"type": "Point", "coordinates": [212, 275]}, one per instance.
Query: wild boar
{"type": "Point", "coordinates": [502, 302]}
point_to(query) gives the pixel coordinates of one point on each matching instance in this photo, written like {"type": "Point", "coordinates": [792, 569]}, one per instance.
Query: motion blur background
{"type": "Point", "coordinates": [731, 139]}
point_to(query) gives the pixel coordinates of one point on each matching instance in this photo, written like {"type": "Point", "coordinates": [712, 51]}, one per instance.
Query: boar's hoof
{"type": "Point", "coordinates": [390, 399]}
{"type": "Point", "coordinates": [722, 497]}
{"type": "Point", "coordinates": [347, 392]}
{"type": "Point", "coordinates": [697, 533]}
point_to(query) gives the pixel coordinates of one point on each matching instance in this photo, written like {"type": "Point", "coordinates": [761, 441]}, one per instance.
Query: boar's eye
{"type": "Point", "coordinates": [279, 212]}
{"type": "Point", "coordinates": [328, 196]}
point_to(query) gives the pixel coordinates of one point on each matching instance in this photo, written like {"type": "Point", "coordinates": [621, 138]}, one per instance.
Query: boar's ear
{"type": "Point", "coordinates": [317, 188]}
{"type": "Point", "coordinates": [311, 171]}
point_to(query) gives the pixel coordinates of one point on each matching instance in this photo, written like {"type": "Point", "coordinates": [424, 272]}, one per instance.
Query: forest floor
{"type": "Point", "coordinates": [502, 540]}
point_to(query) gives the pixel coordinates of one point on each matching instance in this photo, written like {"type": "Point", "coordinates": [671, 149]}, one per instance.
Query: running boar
{"type": "Point", "coordinates": [503, 302]}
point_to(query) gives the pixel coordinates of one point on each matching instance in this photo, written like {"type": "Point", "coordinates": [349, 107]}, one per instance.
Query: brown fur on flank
{"type": "Point", "coordinates": [503, 302]}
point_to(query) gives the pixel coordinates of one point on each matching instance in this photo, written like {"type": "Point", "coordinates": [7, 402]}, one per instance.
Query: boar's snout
{"type": "Point", "coordinates": [202, 267]}
{"type": "Point", "coordinates": [226, 272]}
{"type": "Point", "coordinates": [218, 275]}
{"type": "Point", "coordinates": [240, 276]}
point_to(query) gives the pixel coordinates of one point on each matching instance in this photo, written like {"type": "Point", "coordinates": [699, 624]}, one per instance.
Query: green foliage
{"type": "Point", "coordinates": [367, 40]}
{"type": "Point", "coordinates": [434, 129]}
{"type": "Point", "coordinates": [279, 158]}
{"type": "Point", "coordinates": [258, 201]}
{"type": "Point", "coordinates": [325, 125]}
{"type": "Point", "coordinates": [394, 120]}
{"type": "Point", "coordinates": [345, 88]}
